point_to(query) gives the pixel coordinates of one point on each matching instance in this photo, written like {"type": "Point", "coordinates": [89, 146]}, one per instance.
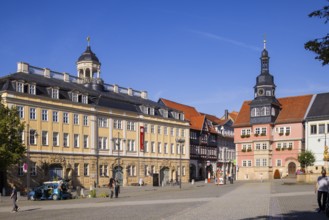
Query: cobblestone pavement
{"type": "Point", "coordinates": [242, 200]}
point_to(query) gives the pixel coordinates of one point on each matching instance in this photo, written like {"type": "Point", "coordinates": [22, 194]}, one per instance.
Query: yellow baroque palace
{"type": "Point", "coordinates": [85, 131]}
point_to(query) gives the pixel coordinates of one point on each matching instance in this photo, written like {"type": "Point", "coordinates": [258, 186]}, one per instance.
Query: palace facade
{"type": "Point", "coordinates": [83, 130]}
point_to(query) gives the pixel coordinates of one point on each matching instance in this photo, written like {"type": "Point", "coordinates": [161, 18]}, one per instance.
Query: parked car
{"type": "Point", "coordinates": [50, 190]}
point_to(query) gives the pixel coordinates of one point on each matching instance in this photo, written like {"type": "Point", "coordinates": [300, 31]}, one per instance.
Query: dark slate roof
{"type": "Point", "coordinates": [88, 55]}
{"type": "Point", "coordinates": [320, 108]}
{"type": "Point", "coordinates": [108, 99]}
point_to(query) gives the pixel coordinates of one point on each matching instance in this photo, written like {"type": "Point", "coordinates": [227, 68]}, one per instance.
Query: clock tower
{"type": "Point", "coordinates": [265, 107]}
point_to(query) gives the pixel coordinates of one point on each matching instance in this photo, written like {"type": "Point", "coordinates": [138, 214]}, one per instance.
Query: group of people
{"type": "Point", "coordinates": [114, 187]}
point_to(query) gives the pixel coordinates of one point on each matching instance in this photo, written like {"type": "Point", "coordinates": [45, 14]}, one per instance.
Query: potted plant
{"type": "Point", "coordinates": [247, 135]}
{"type": "Point", "coordinates": [281, 133]}
{"type": "Point", "coordinates": [277, 149]}
{"type": "Point", "coordinates": [243, 150]}
{"type": "Point", "coordinates": [287, 133]}
{"type": "Point", "coordinates": [249, 149]}
{"type": "Point", "coordinates": [256, 134]}
{"type": "Point", "coordinates": [243, 136]}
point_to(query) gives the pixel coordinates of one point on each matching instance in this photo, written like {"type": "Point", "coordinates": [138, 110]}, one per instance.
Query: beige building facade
{"type": "Point", "coordinates": [85, 131]}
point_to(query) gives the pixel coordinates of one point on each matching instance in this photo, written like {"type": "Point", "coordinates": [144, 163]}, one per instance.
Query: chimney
{"type": "Point", "coordinates": [144, 95]}
{"type": "Point", "coordinates": [226, 114]}
{"type": "Point", "coordinates": [23, 67]}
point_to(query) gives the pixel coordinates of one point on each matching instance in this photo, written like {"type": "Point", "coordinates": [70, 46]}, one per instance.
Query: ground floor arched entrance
{"type": "Point", "coordinates": [164, 175]}
{"type": "Point", "coordinates": [292, 169]}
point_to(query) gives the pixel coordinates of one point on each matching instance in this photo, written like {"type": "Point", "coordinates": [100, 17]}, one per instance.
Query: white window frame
{"type": "Point", "coordinates": [75, 119]}
{"type": "Point", "coordinates": [44, 138]}
{"type": "Point", "coordinates": [55, 116]}
{"type": "Point", "coordinates": [44, 115]}
{"type": "Point", "coordinates": [76, 141]}
{"type": "Point", "coordinates": [33, 113]}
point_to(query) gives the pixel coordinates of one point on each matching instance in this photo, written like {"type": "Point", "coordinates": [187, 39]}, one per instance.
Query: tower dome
{"type": "Point", "coordinates": [89, 68]}
{"type": "Point", "coordinates": [88, 55]}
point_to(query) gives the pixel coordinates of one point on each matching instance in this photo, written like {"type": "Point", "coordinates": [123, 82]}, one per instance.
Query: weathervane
{"type": "Point", "coordinates": [264, 41]}
{"type": "Point", "coordinates": [88, 40]}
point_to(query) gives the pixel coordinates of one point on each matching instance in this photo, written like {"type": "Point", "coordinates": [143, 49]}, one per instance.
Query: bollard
{"type": "Point", "coordinates": [205, 180]}
{"type": "Point", "coordinates": [192, 181]}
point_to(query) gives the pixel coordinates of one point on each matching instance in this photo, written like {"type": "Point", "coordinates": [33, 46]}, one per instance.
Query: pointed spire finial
{"type": "Point", "coordinates": [264, 41]}
{"type": "Point", "coordinates": [88, 40]}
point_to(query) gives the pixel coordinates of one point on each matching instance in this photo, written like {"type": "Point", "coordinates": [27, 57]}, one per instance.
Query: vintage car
{"type": "Point", "coordinates": [50, 190]}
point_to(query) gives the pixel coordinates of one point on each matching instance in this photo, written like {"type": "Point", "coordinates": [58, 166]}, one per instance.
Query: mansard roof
{"type": "Point", "coordinates": [109, 99]}
{"type": "Point", "coordinates": [293, 110]}
{"type": "Point", "coordinates": [320, 108]}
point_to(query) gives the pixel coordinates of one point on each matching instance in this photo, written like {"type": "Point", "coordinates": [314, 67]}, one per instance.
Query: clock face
{"type": "Point", "coordinates": [260, 91]}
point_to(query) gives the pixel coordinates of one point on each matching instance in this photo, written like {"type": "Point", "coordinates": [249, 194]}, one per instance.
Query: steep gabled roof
{"type": "Point", "coordinates": [293, 109]}
{"type": "Point", "coordinates": [196, 119]}
{"type": "Point", "coordinates": [320, 107]}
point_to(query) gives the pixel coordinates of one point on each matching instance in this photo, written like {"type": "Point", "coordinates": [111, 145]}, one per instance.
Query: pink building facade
{"type": "Point", "coordinates": [269, 132]}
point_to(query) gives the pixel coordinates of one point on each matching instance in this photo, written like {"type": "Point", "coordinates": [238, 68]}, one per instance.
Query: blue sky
{"type": "Point", "coordinates": [203, 53]}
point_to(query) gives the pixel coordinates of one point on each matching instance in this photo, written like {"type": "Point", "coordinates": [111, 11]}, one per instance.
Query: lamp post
{"type": "Point", "coordinates": [180, 141]}
{"type": "Point", "coordinates": [117, 143]}
{"type": "Point", "coordinates": [224, 154]}
{"type": "Point", "coordinates": [28, 170]}
{"type": "Point", "coordinates": [325, 154]}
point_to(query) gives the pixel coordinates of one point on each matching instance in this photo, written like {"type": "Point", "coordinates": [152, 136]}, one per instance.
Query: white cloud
{"type": "Point", "coordinates": [220, 38]}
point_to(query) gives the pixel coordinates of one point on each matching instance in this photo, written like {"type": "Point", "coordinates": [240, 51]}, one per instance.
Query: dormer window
{"type": "Point", "coordinates": [55, 93]}
{"type": "Point", "coordinates": [75, 97]}
{"type": "Point", "coordinates": [181, 116]}
{"type": "Point", "coordinates": [84, 99]}
{"type": "Point", "coordinates": [20, 87]}
{"type": "Point", "coordinates": [32, 89]}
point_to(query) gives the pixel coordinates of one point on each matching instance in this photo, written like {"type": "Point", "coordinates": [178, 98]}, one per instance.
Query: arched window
{"type": "Point", "coordinates": [88, 73]}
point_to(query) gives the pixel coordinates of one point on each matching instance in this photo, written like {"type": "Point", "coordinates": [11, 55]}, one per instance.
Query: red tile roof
{"type": "Point", "coordinates": [196, 119]}
{"type": "Point", "coordinates": [293, 109]}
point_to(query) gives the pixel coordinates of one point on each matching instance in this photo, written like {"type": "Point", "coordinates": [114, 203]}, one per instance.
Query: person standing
{"type": "Point", "coordinates": [13, 196]}
{"type": "Point", "coordinates": [322, 190]}
{"type": "Point", "coordinates": [117, 188]}
{"type": "Point", "coordinates": [112, 186]}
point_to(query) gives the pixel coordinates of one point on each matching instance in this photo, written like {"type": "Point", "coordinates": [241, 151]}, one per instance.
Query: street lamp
{"type": "Point", "coordinates": [118, 149]}
{"type": "Point", "coordinates": [224, 154]}
{"type": "Point", "coordinates": [34, 134]}
{"type": "Point", "coordinates": [325, 153]}
{"type": "Point", "coordinates": [180, 141]}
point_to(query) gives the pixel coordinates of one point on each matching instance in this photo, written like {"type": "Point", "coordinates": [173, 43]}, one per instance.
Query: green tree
{"type": "Point", "coordinates": [320, 46]}
{"type": "Point", "coordinates": [11, 146]}
{"type": "Point", "coordinates": [306, 158]}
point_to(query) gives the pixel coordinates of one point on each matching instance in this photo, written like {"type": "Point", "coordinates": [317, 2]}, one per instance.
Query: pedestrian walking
{"type": "Point", "coordinates": [13, 196]}
{"type": "Point", "coordinates": [321, 188]}
{"type": "Point", "coordinates": [111, 186]}
{"type": "Point", "coordinates": [117, 188]}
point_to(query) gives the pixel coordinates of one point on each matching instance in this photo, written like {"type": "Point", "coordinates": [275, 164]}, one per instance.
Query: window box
{"type": "Point", "coordinates": [249, 150]}
{"type": "Point", "coordinates": [247, 135]}
{"type": "Point", "coordinates": [243, 136]}
{"type": "Point", "coordinates": [263, 134]}
{"type": "Point", "coordinates": [283, 148]}
{"type": "Point", "coordinates": [277, 149]}
{"type": "Point", "coordinates": [280, 133]}
{"type": "Point", "coordinates": [287, 133]}
{"type": "Point", "coordinates": [256, 134]}
{"type": "Point", "coordinates": [289, 148]}
{"type": "Point", "coordinates": [243, 150]}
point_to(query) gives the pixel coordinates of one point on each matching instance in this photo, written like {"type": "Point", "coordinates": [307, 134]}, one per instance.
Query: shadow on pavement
{"type": "Point", "coordinates": [294, 215]}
